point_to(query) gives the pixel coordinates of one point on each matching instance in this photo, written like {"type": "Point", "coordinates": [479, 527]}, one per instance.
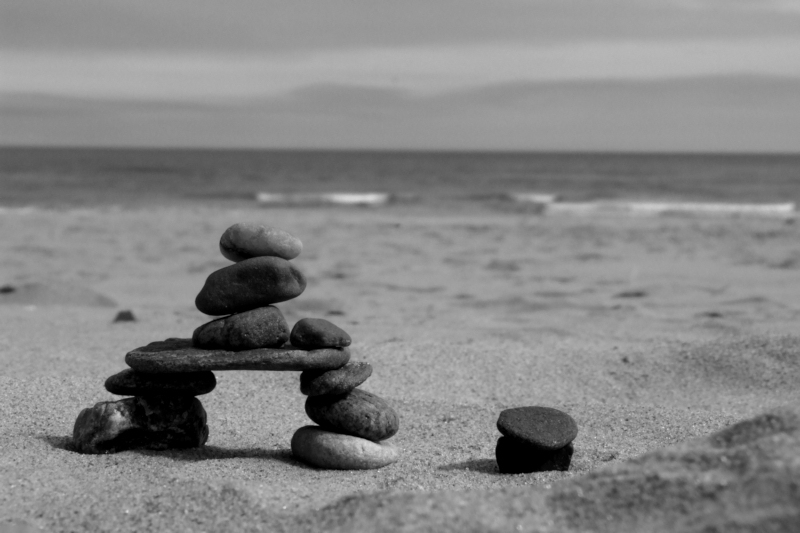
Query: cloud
{"type": "Point", "coordinates": [415, 70]}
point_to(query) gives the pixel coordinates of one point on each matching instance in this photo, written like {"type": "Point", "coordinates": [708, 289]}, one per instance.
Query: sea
{"type": "Point", "coordinates": [86, 177]}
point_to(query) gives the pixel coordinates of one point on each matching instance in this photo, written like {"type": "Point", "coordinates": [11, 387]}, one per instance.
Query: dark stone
{"type": "Point", "coordinates": [7, 289]}
{"type": "Point", "coordinates": [125, 316]}
{"type": "Point", "coordinates": [543, 427]}
{"type": "Point", "coordinates": [517, 457]}
{"type": "Point", "coordinates": [153, 423]}
{"type": "Point", "coordinates": [335, 382]}
{"type": "Point", "coordinates": [359, 413]}
{"type": "Point", "coordinates": [245, 240]}
{"type": "Point", "coordinates": [178, 355]}
{"type": "Point", "coordinates": [264, 327]}
{"type": "Point", "coordinates": [250, 284]}
{"type": "Point", "coordinates": [129, 382]}
{"type": "Point", "coordinates": [310, 333]}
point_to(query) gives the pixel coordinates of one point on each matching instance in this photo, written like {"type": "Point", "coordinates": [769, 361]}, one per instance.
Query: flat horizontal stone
{"type": "Point", "coordinates": [335, 382]}
{"type": "Point", "coordinates": [325, 449]}
{"type": "Point", "coordinates": [178, 355]}
{"type": "Point", "coordinates": [129, 382]}
{"type": "Point", "coordinates": [543, 427]}
{"type": "Point", "coordinates": [250, 284]}
{"type": "Point", "coordinates": [245, 240]}
{"type": "Point", "coordinates": [153, 423]}
{"type": "Point", "coordinates": [358, 413]}
{"type": "Point", "coordinates": [263, 327]}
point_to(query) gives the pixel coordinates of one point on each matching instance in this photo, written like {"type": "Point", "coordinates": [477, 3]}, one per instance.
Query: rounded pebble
{"type": "Point", "coordinates": [543, 427]}
{"type": "Point", "coordinates": [249, 284]}
{"type": "Point", "coordinates": [264, 327]}
{"type": "Point", "coordinates": [325, 449]}
{"type": "Point", "coordinates": [310, 333]}
{"type": "Point", "coordinates": [335, 382]}
{"type": "Point", "coordinates": [245, 240]}
{"type": "Point", "coordinates": [129, 382]}
{"type": "Point", "coordinates": [359, 413]}
{"type": "Point", "coordinates": [178, 355]}
{"type": "Point", "coordinates": [517, 457]}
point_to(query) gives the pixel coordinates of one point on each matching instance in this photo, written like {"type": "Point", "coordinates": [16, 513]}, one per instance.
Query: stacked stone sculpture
{"type": "Point", "coordinates": [535, 439]}
{"type": "Point", "coordinates": [165, 377]}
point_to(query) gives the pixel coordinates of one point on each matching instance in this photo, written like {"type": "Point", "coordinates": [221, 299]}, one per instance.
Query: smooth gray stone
{"type": "Point", "coordinates": [154, 423]}
{"type": "Point", "coordinates": [310, 333]}
{"type": "Point", "coordinates": [250, 284]}
{"type": "Point", "coordinates": [358, 413]}
{"type": "Point", "coordinates": [543, 427]}
{"type": "Point", "coordinates": [264, 327]}
{"type": "Point", "coordinates": [325, 449]}
{"type": "Point", "coordinates": [335, 382]}
{"type": "Point", "coordinates": [129, 382]}
{"type": "Point", "coordinates": [245, 240]}
{"type": "Point", "coordinates": [178, 355]}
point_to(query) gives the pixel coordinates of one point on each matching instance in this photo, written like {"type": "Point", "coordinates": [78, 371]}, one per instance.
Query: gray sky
{"type": "Point", "coordinates": [716, 75]}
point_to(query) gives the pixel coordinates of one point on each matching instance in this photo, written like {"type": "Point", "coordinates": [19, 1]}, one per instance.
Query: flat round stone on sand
{"type": "Point", "coordinates": [310, 333]}
{"type": "Point", "coordinates": [129, 382]}
{"type": "Point", "coordinates": [542, 427]}
{"type": "Point", "coordinates": [325, 449]}
{"type": "Point", "coordinates": [178, 355]}
{"type": "Point", "coordinates": [245, 240]}
{"type": "Point", "coordinates": [335, 382]}
{"type": "Point", "coordinates": [264, 327]}
{"type": "Point", "coordinates": [358, 413]}
{"type": "Point", "coordinates": [250, 284]}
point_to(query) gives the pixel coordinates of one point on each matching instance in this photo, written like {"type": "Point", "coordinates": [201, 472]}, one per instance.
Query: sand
{"type": "Point", "coordinates": [653, 333]}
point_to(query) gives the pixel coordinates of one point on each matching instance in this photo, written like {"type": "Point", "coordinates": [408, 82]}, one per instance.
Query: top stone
{"type": "Point", "coordinates": [542, 427]}
{"type": "Point", "coordinates": [311, 333]}
{"type": "Point", "coordinates": [245, 240]}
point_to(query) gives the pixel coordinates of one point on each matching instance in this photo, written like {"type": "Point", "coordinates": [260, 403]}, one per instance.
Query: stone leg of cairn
{"type": "Point", "coordinates": [154, 423]}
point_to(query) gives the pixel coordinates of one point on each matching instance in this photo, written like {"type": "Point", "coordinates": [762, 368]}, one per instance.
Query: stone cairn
{"type": "Point", "coordinates": [165, 378]}
{"type": "Point", "coordinates": [535, 439]}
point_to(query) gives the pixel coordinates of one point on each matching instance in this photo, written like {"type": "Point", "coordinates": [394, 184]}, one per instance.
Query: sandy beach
{"type": "Point", "coordinates": [651, 332]}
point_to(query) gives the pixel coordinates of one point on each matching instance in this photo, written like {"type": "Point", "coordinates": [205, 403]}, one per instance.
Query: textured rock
{"type": "Point", "coordinates": [129, 382]}
{"type": "Point", "coordinates": [543, 427]}
{"type": "Point", "coordinates": [178, 355]}
{"type": "Point", "coordinates": [245, 240]}
{"type": "Point", "coordinates": [517, 457]}
{"type": "Point", "coordinates": [264, 327]}
{"type": "Point", "coordinates": [155, 423]}
{"type": "Point", "coordinates": [310, 333]}
{"type": "Point", "coordinates": [358, 413]}
{"type": "Point", "coordinates": [249, 284]}
{"type": "Point", "coordinates": [325, 449]}
{"type": "Point", "coordinates": [335, 382]}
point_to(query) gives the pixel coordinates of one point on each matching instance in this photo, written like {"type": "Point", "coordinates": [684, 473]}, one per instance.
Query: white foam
{"type": "Point", "coordinates": [533, 197]}
{"type": "Point", "coordinates": [779, 210]}
{"type": "Point", "coordinates": [346, 199]}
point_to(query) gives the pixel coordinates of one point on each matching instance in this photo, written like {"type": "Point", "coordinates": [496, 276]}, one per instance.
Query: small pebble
{"type": "Point", "coordinates": [310, 333]}
{"type": "Point", "coordinates": [325, 449]}
{"type": "Point", "coordinates": [264, 327]}
{"type": "Point", "coordinates": [129, 382]}
{"type": "Point", "coordinates": [245, 240]}
{"type": "Point", "coordinates": [358, 413]}
{"type": "Point", "coordinates": [543, 427]}
{"type": "Point", "coordinates": [151, 423]}
{"type": "Point", "coordinates": [125, 316]}
{"type": "Point", "coordinates": [517, 457]}
{"type": "Point", "coordinates": [335, 382]}
{"type": "Point", "coordinates": [178, 355]}
{"type": "Point", "coordinates": [250, 284]}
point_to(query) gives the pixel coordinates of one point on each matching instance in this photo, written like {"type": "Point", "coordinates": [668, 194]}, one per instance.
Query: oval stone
{"type": "Point", "coordinates": [178, 355]}
{"type": "Point", "coordinates": [543, 427]}
{"type": "Point", "coordinates": [129, 382]}
{"type": "Point", "coordinates": [335, 382]}
{"type": "Point", "coordinates": [358, 413]}
{"type": "Point", "coordinates": [325, 449]}
{"type": "Point", "coordinates": [310, 333]}
{"type": "Point", "coordinates": [245, 240]}
{"type": "Point", "coordinates": [264, 327]}
{"type": "Point", "coordinates": [249, 284]}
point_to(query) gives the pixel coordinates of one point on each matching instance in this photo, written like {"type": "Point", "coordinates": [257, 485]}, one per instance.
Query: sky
{"type": "Point", "coordinates": [589, 75]}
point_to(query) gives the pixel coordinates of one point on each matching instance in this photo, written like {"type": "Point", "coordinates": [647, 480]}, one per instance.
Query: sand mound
{"type": "Point", "coordinates": [743, 478]}
{"type": "Point", "coordinates": [53, 294]}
